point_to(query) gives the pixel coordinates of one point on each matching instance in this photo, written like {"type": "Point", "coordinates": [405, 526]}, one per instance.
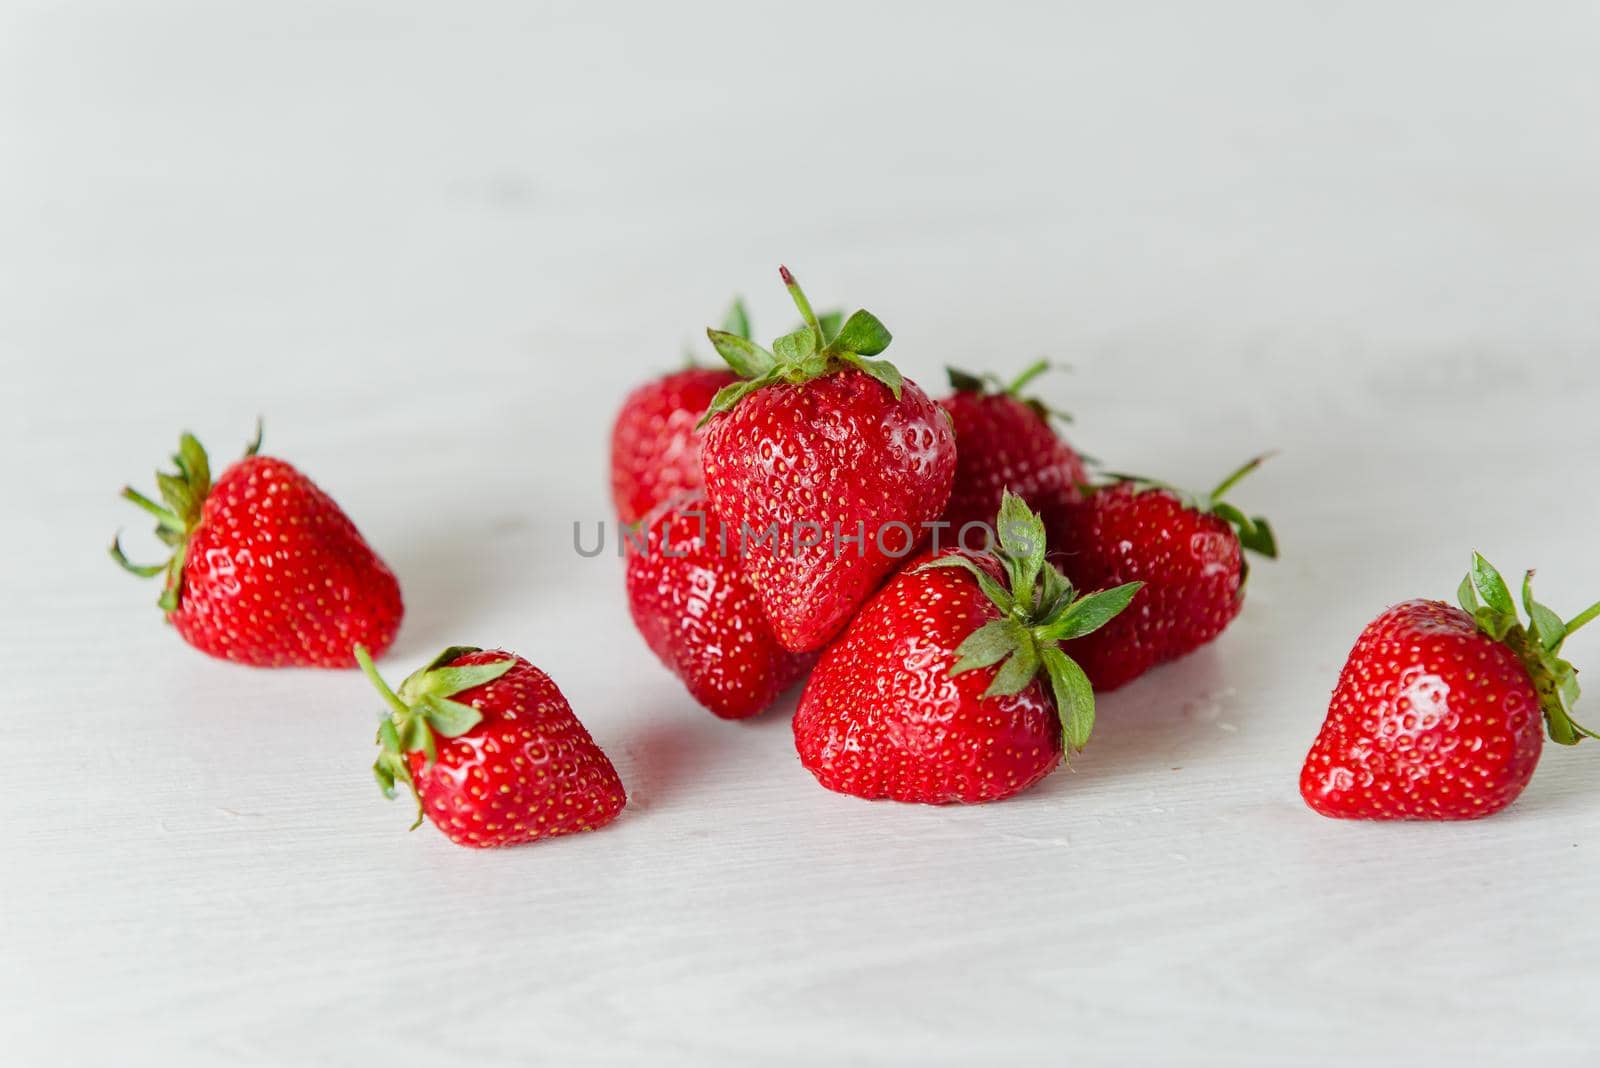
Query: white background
{"type": "Point", "coordinates": [433, 246]}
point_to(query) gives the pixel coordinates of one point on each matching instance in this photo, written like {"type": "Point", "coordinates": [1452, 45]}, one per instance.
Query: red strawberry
{"type": "Point", "coordinates": [698, 613]}
{"type": "Point", "coordinates": [655, 442]}
{"type": "Point", "coordinates": [1005, 441]}
{"type": "Point", "coordinates": [1188, 551]}
{"type": "Point", "coordinates": [937, 692]}
{"type": "Point", "coordinates": [492, 751]}
{"type": "Point", "coordinates": [266, 569]}
{"type": "Point", "coordinates": [1437, 715]}
{"type": "Point", "coordinates": [819, 444]}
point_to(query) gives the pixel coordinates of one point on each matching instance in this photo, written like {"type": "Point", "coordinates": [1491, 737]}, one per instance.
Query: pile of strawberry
{"type": "Point", "coordinates": [946, 577]}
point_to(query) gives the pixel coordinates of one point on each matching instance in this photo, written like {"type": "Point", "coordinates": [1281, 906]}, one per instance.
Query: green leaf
{"type": "Point", "coordinates": [191, 460]}
{"type": "Point", "coordinates": [965, 381]}
{"type": "Point", "coordinates": [1543, 624]}
{"type": "Point", "coordinates": [388, 736]}
{"type": "Point", "coordinates": [1088, 614]}
{"type": "Point", "coordinates": [1491, 587]}
{"type": "Point", "coordinates": [988, 645]}
{"type": "Point", "coordinates": [175, 492]}
{"type": "Point", "coordinates": [1074, 698]}
{"type": "Point", "coordinates": [747, 359]}
{"type": "Point", "coordinates": [414, 734]}
{"type": "Point", "coordinates": [450, 719]}
{"type": "Point", "coordinates": [142, 570]}
{"type": "Point", "coordinates": [881, 370]}
{"type": "Point", "coordinates": [862, 334]}
{"type": "Point", "coordinates": [1495, 624]}
{"type": "Point", "coordinates": [1467, 597]}
{"type": "Point", "coordinates": [829, 323]}
{"type": "Point", "coordinates": [796, 347]}
{"type": "Point", "coordinates": [447, 681]}
{"type": "Point", "coordinates": [1567, 684]}
{"type": "Point", "coordinates": [385, 777]}
{"type": "Point", "coordinates": [449, 655]}
{"type": "Point", "coordinates": [729, 396]}
{"type": "Point", "coordinates": [1018, 673]}
{"type": "Point", "coordinates": [1022, 536]}
{"type": "Point", "coordinates": [737, 321]}
{"type": "Point", "coordinates": [1254, 533]}
{"type": "Point", "coordinates": [1055, 594]}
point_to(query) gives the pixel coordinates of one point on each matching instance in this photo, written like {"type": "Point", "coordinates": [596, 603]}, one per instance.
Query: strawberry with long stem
{"type": "Point", "coordinates": [829, 460]}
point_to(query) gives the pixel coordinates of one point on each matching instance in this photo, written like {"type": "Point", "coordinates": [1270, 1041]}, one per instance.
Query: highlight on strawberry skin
{"type": "Point", "coordinates": [265, 568]}
{"type": "Point", "coordinates": [1441, 710]}
{"type": "Point", "coordinates": [491, 751]}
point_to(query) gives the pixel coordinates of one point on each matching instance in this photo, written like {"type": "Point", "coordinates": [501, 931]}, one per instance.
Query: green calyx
{"type": "Point", "coordinates": [822, 345]}
{"type": "Point", "coordinates": [183, 495]}
{"type": "Point", "coordinates": [736, 323]}
{"type": "Point", "coordinates": [990, 384]}
{"type": "Point", "coordinates": [1039, 610]}
{"type": "Point", "coordinates": [1254, 532]}
{"type": "Point", "coordinates": [422, 710]}
{"type": "Point", "coordinates": [1484, 595]}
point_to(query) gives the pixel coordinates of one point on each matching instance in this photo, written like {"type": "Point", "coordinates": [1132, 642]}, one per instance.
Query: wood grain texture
{"type": "Point", "coordinates": [1365, 235]}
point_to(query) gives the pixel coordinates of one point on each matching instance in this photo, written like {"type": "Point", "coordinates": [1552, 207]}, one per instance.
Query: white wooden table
{"type": "Point", "coordinates": [434, 245]}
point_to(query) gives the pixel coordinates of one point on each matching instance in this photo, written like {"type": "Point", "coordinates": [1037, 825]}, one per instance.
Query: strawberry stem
{"type": "Point", "coordinates": [1233, 479]}
{"type": "Point", "coordinates": [370, 670]}
{"type": "Point", "coordinates": [1582, 619]}
{"type": "Point", "coordinates": [799, 297]}
{"type": "Point", "coordinates": [1028, 375]}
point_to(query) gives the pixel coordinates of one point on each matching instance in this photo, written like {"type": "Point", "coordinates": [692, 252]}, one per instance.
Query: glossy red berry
{"type": "Point", "coordinates": [493, 751]}
{"type": "Point", "coordinates": [1005, 441]}
{"type": "Point", "coordinates": [1187, 551]}
{"type": "Point", "coordinates": [952, 684]}
{"type": "Point", "coordinates": [1440, 712]}
{"type": "Point", "coordinates": [699, 614]}
{"type": "Point", "coordinates": [266, 569]}
{"type": "Point", "coordinates": [655, 442]}
{"type": "Point", "coordinates": [830, 461]}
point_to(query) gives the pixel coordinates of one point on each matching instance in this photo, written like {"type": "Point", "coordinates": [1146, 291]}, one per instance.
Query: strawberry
{"type": "Point", "coordinates": [655, 442]}
{"type": "Point", "coordinates": [1005, 441]}
{"type": "Point", "coordinates": [951, 685]}
{"type": "Point", "coordinates": [818, 444]}
{"type": "Point", "coordinates": [699, 614]}
{"type": "Point", "coordinates": [1437, 714]}
{"type": "Point", "coordinates": [1187, 550]}
{"type": "Point", "coordinates": [266, 569]}
{"type": "Point", "coordinates": [491, 751]}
